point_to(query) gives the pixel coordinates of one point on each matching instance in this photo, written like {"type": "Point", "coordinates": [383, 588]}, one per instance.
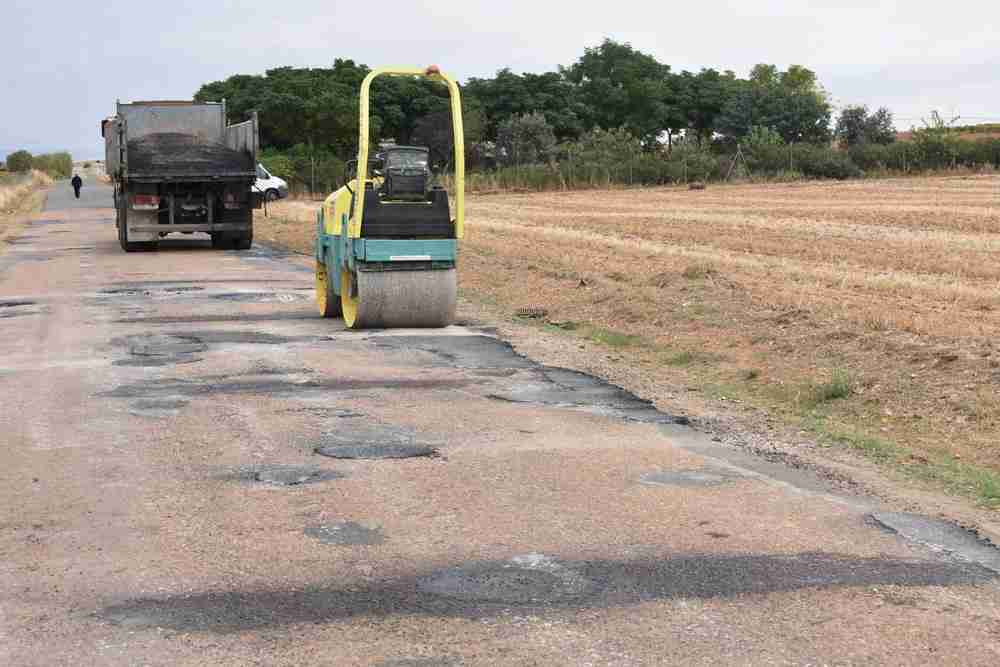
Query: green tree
{"type": "Point", "coordinates": [19, 161]}
{"type": "Point", "coordinates": [525, 139]}
{"type": "Point", "coordinates": [507, 95]}
{"type": "Point", "coordinates": [790, 105]}
{"type": "Point", "coordinates": [623, 87]}
{"type": "Point", "coordinates": [856, 126]}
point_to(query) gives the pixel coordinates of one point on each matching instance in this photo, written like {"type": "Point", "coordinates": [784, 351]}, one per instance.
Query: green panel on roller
{"type": "Point", "coordinates": [394, 250]}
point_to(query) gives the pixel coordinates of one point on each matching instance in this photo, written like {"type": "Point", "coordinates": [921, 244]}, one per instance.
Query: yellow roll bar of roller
{"type": "Point", "coordinates": [433, 73]}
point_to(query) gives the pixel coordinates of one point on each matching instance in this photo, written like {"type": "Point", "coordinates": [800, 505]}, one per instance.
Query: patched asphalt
{"type": "Point", "coordinates": [164, 424]}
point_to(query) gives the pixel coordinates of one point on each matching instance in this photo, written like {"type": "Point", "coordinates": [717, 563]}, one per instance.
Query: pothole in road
{"type": "Point", "coordinates": [690, 478]}
{"type": "Point", "coordinates": [258, 297]}
{"type": "Point", "coordinates": [528, 579]}
{"type": "Point", "coordinates": [289, 475]}
{"type": "Point", "coordinates": [149, 291]}
{"type": "Point", "coordinates": [150, 350]}
{"type": "Point", "coordinates": [375, 451]}
{"type": "Point", "coordinates": [345, 533]}
{"type": "Point", "coordinates": [418, 662]}
{"type": "Point", "coordinates": [158, 345]}
{"type": "Point", "coordinates": [372, 441]}
{"type": "Point", "coordinates": [157, 407]}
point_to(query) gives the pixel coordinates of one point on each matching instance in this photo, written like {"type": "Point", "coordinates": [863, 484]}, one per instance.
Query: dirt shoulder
{"type": "Point", "coordinates": [876, 369]}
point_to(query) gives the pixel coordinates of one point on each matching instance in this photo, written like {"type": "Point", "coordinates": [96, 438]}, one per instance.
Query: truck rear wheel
{"type": "Point", "coordinates": [244, 241]}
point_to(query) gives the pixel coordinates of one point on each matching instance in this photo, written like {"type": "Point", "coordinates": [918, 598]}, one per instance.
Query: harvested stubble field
{"type": "Point", "coordinates": [865, 311]}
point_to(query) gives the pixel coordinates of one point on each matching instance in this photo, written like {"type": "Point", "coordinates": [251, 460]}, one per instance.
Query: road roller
{"type": "Point", "coordinates": [387, 242]}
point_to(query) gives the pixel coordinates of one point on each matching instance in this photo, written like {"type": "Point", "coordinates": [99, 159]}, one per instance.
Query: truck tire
{"type": "Point", "coordinates": [244, 241]}
{"type": "Point", "coordinates": [272, 195]}
{"type": "Point", "coordinates": [220, 240]}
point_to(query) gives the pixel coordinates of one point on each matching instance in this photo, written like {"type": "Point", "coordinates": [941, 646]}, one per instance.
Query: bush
{"type": "Point", "coordinates": [56, 165]}
{"type": "Point", "coordinates": [19, 161]}
{"type": "Point", "coordinates": [301, 166]}
{"type": "Point", "coordinates": [824, 162]}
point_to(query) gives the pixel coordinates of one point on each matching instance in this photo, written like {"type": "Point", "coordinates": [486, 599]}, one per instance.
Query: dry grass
{"type": "Point", "coordinates": [867, 310]}
{"type": "Point", "coordinates": [18, 187]}
{"type": "Point", "coordinates": [18, 196]}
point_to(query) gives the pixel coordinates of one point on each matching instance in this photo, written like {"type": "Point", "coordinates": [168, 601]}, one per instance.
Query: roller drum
{"type": "Point", "coordinates": [400, 299]}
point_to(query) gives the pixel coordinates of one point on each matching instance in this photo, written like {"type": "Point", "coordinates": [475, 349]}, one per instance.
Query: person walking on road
{"type": "Point", "coordinates": [77, 183]}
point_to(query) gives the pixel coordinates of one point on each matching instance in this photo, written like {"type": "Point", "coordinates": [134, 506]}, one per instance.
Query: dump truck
{"type": "Point", "coordinates": [178, 167]}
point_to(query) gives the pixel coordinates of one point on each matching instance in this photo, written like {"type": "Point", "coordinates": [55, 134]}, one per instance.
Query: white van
{"type": "Point", "coordinates": [271, 186]}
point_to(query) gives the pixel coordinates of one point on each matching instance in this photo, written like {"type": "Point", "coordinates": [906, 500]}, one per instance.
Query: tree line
{"type": "Point", "coordinates": [614, 110]}
{"type": "Point", "coordinates": [56, 165]}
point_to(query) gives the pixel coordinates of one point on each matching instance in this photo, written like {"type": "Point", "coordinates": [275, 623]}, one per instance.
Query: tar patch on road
{"type": "Point", "coordinates": [419, 662]}
{"type": "Point", "coordinates": [489, 589]}
{"type": "Point", "coordinates": [258, 297]}
{"type": "Point", "coordinates": [529, 382]}
{"type": "Point", "coordinates": [372, 441]}
{"type": "Point", "coordinates": [159, 349]}
{"type": "Point", "coordinates": [942, 536]}
{"type": "Point", "coordinates": [479, 352]}
{"type": "Point", "coordinates": [376, 451]}
{"type": "Point", "coordinates": [288, 475]}
{"type": "Point", "coordinates": [149, 291]}
{"type": "Point", "coordinates": [19, 308]}
{"type": "Point", "coordinates": [532, 579]}
{"type": "Point", "coordinates": [561, 387]}
{"type": "Point", "coordinates": [270, 387]}
{"type": "Point", "coordinates": [346, 533]}
{"type": "Point", "coordinates": [690, 478]}
{"type": "Point", "coordinates": [157, 407]}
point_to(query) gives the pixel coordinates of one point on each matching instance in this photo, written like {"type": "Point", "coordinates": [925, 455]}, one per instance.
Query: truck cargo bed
{"type": "Point", "coordinates": [185, 156]}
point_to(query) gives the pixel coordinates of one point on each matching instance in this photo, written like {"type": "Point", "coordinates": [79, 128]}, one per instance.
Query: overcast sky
{"type": "Point", "coordinates": [65, 63]}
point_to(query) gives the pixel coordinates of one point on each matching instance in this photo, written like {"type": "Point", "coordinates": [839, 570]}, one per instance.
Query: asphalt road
{"type": "Point", "coordinates": [164, 503]}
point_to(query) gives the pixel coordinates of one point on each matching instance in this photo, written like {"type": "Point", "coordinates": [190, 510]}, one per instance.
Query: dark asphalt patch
{"type": "Point", "coordinates": [154, 388]}
{"type": "Point", "coordinates": [418, 662]}
{"type": "Point", "coordinates": [246, 337]}
{"type": "Point", "coordinates": [289, 475]}
{"type": "Point", "coordinates": [601, 584]}
{"type": "Point", "coordinates": [459, 351]}
{"type": "Point", "coordinates": [690, 478]}
{"type": "Point", "coordinates": [337, 413]}
{"type": "Point", "coordinates": [942, 536]}
{"type": "Point", "coordinates": [147, 291]}
{"type": "Point", "coordinates": [151, 350]}
{"type": "Point", "coordinates": [18, 308]}
{"type": "Point", "coordinates": [345, 533]}
{"type": "Point", "coordinates": [154, 362]}
{"type": "Point", "coordinates": [257, 297]}
{"type": "Point", "coordinates": [533, 383]}
{"type": "Point", "coordinates": [526, 580]}
{"type": "Point", "coordinates": [198, 319]}
{"type": "Point", "coordinates": [161, 345]}
{"type": "Point", "coordinates": [372, 441]}
{"type": "Point", "coordinates": [157, 408]}
{"type": "Point", "coordinates": [376, 451]}
{"type": "Point", "coordinates": [561, 387]}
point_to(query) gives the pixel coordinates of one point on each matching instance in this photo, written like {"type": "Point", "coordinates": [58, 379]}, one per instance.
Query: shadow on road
{"type": "Point", "coordinates": [486, 589]}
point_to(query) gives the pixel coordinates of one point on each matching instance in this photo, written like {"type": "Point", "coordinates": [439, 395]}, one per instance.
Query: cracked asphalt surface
{"type": "Point", "coordinates": [165, 504]}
